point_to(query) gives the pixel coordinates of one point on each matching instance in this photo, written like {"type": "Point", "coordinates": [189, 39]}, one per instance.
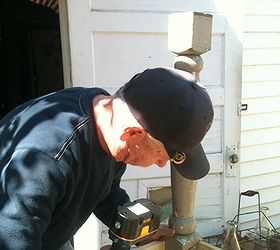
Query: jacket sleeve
{"type": "Point", "coordinates": [31, 185]}
{"type": "Point", "coordinates": [106, 209]}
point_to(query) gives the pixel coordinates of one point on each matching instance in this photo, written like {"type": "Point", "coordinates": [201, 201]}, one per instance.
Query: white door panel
{"type": "Point", "coordinates": [156, 6]}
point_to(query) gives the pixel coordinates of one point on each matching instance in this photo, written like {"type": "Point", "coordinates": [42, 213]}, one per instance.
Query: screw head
{"type": "Point", "coordinates": [118, 225]}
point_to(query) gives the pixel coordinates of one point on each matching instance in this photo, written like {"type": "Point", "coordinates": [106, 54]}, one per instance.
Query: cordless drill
{"type": "Point", "coordinates": [134, 222]}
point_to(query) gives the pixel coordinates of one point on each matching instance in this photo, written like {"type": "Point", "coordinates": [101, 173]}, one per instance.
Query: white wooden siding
{"type": "Point", "coordinates": [260, 124]}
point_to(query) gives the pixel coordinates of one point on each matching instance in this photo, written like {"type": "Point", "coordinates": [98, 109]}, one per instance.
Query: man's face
{"type": "Point", "coordinates": [143, 150]}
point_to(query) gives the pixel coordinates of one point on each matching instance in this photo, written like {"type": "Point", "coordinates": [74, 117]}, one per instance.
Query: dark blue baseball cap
{"type": "Point", "coordinates": [174, 108]}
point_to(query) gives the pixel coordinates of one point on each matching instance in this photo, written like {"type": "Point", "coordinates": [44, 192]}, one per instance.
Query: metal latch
{"type": "Point", "coordinates": [242, 107]}
{"type": "Point", "coordinates": [232, 158]}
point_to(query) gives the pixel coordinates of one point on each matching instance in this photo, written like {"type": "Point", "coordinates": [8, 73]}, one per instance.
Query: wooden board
{"type": "Point", "coordinates": [201, 245]}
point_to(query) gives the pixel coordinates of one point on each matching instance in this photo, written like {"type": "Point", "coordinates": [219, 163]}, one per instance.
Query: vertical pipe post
{"type": "Point", "coordinates": [189, 36]}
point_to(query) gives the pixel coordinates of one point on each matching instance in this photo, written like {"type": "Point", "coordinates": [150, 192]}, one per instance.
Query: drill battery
{"type": "Point", "coordinates": [135, 221]}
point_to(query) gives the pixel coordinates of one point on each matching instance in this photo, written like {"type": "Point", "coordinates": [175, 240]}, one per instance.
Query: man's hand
{"type": "Point", "coordinates": [163, 231]}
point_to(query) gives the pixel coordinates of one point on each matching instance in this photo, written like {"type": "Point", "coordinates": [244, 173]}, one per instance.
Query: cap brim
{"type": "Point", "coordinates": [195, 166]}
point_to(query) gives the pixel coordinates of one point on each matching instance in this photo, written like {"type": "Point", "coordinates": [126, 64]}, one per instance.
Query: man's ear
{"type": "Point", "coordinates": [130, 131]}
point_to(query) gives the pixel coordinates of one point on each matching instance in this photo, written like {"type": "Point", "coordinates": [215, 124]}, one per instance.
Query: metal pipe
{"type": "Point", "coordinates": [193, 40]}
{"type": "Point", "coordinates": [183, 197]}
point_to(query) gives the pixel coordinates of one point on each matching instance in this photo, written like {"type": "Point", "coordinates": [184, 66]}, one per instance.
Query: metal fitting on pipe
{"type": "Point", "coordinates": [189, 63]}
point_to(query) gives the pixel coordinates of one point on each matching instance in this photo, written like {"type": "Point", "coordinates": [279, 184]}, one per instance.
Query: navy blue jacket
{"type": "Point", "coordinates": [54, 173]}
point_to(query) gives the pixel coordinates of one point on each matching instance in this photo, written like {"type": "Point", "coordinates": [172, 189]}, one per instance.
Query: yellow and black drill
{"type": "Point", "coordinates": [134, 222]}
